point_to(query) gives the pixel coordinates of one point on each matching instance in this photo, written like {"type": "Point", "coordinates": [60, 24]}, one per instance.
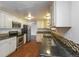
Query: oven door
{"type": "Point", "coordinates": [20, 41]}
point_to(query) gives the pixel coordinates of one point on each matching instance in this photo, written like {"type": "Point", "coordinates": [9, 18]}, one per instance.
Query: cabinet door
{"type": "Point", "coordinates": [7, 46]}
{"type": "Point", "coordinates": [39, 37]}
{"type": "Point", "coordinates": [24, 38]}
{"type": "Point", "coordinates": [4, 48]}
{"type": "Point", "coordinates": [12, 45]}
{"type": "Point", "coordinates": [62, 14]}
{"type": "Point", "coordinates": [1, 20]}
{"type": "Point", "coordinates": [5, 21]}
{"type": "Point", "coordinates": [8, 22]}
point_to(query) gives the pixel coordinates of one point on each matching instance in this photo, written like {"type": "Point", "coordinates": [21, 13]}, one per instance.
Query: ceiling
{"type": "Point", "coordinates": [21, 8]}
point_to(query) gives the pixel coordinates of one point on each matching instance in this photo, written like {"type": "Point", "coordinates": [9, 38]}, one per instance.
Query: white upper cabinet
{"type": "Point", "coordinates": [8, 22]}
{"type": "Point", "coordinates": [5, 22]}
{"type": "Point", "coordinates": [1, 20]}
{"type": "Point", "coordinates": [61, 14]}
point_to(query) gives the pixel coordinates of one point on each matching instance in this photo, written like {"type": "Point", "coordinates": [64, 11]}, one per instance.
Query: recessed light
{"type": "Point", "coordinates": [48, 52]}
{"type": "Point", "coordinates": [29, 17]}
{"type": "Point", "coordinates": [48, 16]}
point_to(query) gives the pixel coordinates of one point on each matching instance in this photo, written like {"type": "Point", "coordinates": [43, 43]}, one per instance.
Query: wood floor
{"type": "Point", "coordinates": [31, 49]}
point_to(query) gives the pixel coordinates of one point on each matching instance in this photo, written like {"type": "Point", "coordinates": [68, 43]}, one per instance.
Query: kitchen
{"type": "Point", "coordinates": [12, 34]}
{"type": "Point", "coordinates": [21, 23]}
{"type": "Point", "coordinates": [38, 29]}
{"type": "Point", "coordinates": [15, 31]}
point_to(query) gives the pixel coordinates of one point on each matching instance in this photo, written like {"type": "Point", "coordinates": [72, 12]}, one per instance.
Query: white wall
{"type": "Point", "coordinates": [73, 33]}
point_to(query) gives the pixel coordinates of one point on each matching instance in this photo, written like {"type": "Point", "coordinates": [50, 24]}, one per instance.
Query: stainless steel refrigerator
{"type": "Point", "coordinates": [27, 30]}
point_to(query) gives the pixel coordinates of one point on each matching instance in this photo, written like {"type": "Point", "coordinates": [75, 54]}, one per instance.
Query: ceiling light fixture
{"type": "Point", "coordinates": [48, 16]}
{"type": "Point", "coordinates": [29, 17]}
{"type": "Point", "coordinates": [48, 52]}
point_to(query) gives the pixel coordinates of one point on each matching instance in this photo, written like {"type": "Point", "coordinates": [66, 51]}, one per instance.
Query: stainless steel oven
{"type": "Point", "coordinates": [20, 41]}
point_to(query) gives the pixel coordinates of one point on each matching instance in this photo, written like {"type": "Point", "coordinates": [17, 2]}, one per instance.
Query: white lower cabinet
{"type": "Point", "coordinates": [4, 47]}
{"type": "Point", "coordinates": [7, 46]}
{"type": "Point", "coordinates": [12, 45]}
{"type": "Point", "coordinates": [39, 37]}
{"type": "Point", "coordinates": [24, 38]}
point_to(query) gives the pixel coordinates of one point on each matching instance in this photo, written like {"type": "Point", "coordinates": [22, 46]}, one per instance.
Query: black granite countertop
{"type": "Point", "coordinates": [69, 45]}
{"type": "Point", "coordinates": [5, 36]}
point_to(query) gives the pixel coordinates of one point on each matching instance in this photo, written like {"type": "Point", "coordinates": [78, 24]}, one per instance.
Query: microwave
{"type": "Point", "coordinates": [16, 24]}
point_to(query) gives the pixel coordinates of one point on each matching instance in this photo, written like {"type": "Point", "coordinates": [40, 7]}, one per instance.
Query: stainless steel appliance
{"type": "Point", "coordinates": [16, 24]}
{"type": "Point", "coordinates": [27, 30]}
{"type": "Point", "coordinates": [20, 41]}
